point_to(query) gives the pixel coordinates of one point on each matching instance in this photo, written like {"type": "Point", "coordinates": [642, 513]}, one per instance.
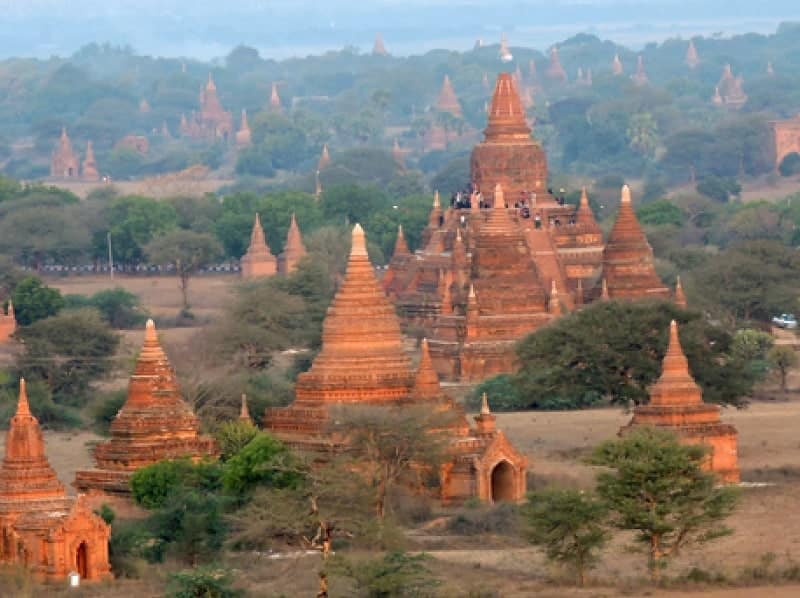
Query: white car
{"type": "Point", "coordinates": [785, 321]}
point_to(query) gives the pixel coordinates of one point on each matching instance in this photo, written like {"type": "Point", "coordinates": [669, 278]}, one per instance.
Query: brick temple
{"type": "Point", "coordinates": [293, 250]}
{"type": "Point", "coordinates": [362, 362]}
{"type": "Point", "coordinates": [676, 404]}
{"type": "Point", "coordinates": [41, 528]}
{"type": "Point", "coordinates": [258, 262]}
{"type": "Point", "coordinates": [212, 121]}
{"type": "Point", "coordinates": [513, 257]}
{"type": "Point", "coordinates": [155, 423]}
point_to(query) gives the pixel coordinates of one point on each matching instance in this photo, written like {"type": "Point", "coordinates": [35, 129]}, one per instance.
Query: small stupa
{"type": "Point", "coordinates": [616, 66]}
{"type": "Point", "coordinates": [155, 423]}
{"type": "Point", "coordinates": [555, 71]}
{"type": "Point", "coordinates": [244, 137]}
{"type": "Point", "coordinates": [692, 57]}
{"type": "Point", "coordinates": [447, 101]}
{"type": "Point", "coordinates": [275, 100]}
{"type": "Point", "coordinates": [293, 251]}
{"type": "Point", "coordinates": [89, 167]}
{"type": "Point", "coordinates": [258, 262]}
{"type": "Point", "coordinates": [676, 403]}
{"type": "Point", "coordinates": [379, 48]}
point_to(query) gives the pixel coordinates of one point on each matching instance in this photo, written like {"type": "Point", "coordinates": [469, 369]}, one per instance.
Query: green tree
{"type": "Point", "coordinates": [187, 251]}
{"type": "Point", "coordinates": [135, 221]}
{"type": "Point", "coordinates": [34, 301]}
{"type": "Point", "coordinates": [642, 133]}
{"type": "Point", "coordinates": [613, 350]}
{"type": "Point", "coordinates": [233, 436]}
{"type": "Point", "coordinates": [67, 351]}
{"type": "Point", "coordinates": [387, 443]}
{"type": "Point", "coordinates": [657, 488]}
{"type": "Point", "coordinates": [37, 234]}
{"type": "Point", "coordinates": [721, 189]}
{"type": "Point", "coordinates": [660, 213]}
{"type": "Point", "coordinates": [783, 358]}
{"type": "Point", "coordinates": [153, 485]}
{"type": "Point", "coordinates": [263, 461]}
{"type": "Point", "coordinates": [569, 526]}
{"type": "Point", "coordinates": [395, 575]}
{"type": "Point", "coordinates": [202, 582]}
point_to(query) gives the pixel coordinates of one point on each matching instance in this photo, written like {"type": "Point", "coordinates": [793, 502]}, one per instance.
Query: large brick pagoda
{"type": "Point", "coordinates": [41, 528]}
{"type": "Point", "coordinates": [362, 362]}
{"type": "Point", "coordinates": [676, 404]}
{"type": "Point", "coordinates": [155, 423]}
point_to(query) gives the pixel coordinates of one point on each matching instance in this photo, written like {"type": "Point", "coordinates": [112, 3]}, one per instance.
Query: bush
{"type": "Point", "coordinates": [396, 574]}
{"type": "Point", "coordinates": [501, 392]}
{"type": "Point", "coordinates": [120, 308]}
{"type": "Point", "coordinates": [202, 582]}
{"type": "Point", "coordinates": [264, 460]}
{"type": "Point", "coordinates": [34, 301]}
{"type": "Point", "coordinates": [50, 414]}
{"type": "Point", "coordinates": [233, 436]}
{"type": "Point", "coordinates": [499, 519]}
{"type": "Point", "coordinates": [153, 485]}
{"type": "Point", "coordinates": [106, 408]}
{"type": "Point", "coordinates": [721, 189]}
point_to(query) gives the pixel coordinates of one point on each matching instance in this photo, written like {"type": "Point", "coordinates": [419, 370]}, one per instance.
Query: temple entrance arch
{"type": "Point", "coordinates": [503, 482]}
{"type": "Point", "coordinates": [82, 560]}
{"type": "Point", "coordinates": [790, 164]}
{"type": "Point", "coordinates": [786, 137]}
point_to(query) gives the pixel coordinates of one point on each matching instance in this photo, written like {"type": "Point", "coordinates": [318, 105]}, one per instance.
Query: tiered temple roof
{"type": "Point", "coordinates": [293, 251]}
{"type": "Point", "coordinates": [534, 241]}
{"type": "Point", "coordinates": [89, 170]}
{"type": "Point", "coordinates": [555, 71]}
{"type": "Point", "coordinates": [275, 100]}
{"type": "Point", "coordinates": [730, 90]}
{"type": "Point", "coordinates": [64, 161]}
{"type": "Point", "coordinates": [244, 136]}
{"type": "Point", "coordinates": [692, 57]}
{"type": "Point", "coordinates": [41, 528]}
{"type": "Point", "coordinates": [640, 76]}
{"type": "Point", "coordinates": [616, 66]}
{"type": "Point", "coordinates": [212, 121]}
{"type": "Point", "coordinates": [628, 266]}
{"type": "Point", "coordinates": [362, 362]}
{"type": "Point", "coordinates": [258, 262]}
{"type": "Point", "coordinates": [155, 423]}
{"type": "Point", "coordinates": [676, 403]}
{"type": "Point", "coordinates": [447, 101]}
{"type": "Point", "coordinates": [378, 48]}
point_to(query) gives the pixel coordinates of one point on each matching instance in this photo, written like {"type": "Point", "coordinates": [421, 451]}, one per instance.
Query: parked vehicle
{"type": "Point", "coordinates": [785, 321]}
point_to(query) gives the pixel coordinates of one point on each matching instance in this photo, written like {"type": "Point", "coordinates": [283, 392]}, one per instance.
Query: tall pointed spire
{"type": "Point", "coordinates": [640, 76]}
{"type": "Point", "coordinates": [25, 472]}
{"type": "Point", "coordinates": [447, 101]}
{"type": "Point", "coordinates": [294, 249]}
{"type": "Point", "coordinates": [258, 261]}
{"type": "Point", "coordinates": [324, 158]}
{"type": "Point", "coordinates": [692, 58]}
{"type": "Point", "coordinates": [680, 298]}
{"type": "Point", "coordinates": [244, 136]}
{"type": "Point", "coordinates": [486, 422]}
{"type": "Point", "coordinates": [400, 245]}
{"type": "Point", "coordinates": [378, 48]}
{"type": "Point", "coordinates": [555, 71]}
{"type": "Point", "coordinates": [505, 52]}
{"type": "Point", "coordinates": [585, 216]}
{"type": "Point", "coordinates": [275, 100]}
{"type": "Point", "coordinates": [506, 115]}
{"type": "Point", "coordinates": [616, 66]}
{"type": "Point", "coordinates": [244, 412]}
{"type": "Point", "coordinates": [89, 170]}
{"type": "Point", "coordinates": [426, 381]}
{"type": "Point", "coordinates": [398, 155]}
{"type": "Point", "coordinates": [555, 302]}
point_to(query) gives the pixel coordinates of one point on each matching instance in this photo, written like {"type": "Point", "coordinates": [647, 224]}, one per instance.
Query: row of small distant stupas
{"type": "Point", "coordinates": [210, 123]}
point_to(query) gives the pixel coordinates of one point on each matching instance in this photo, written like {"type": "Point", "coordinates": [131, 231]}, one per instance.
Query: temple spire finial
{"type": "Point", "coordinates": [150, 334]}
{"type": "Point", "coordinates": [359, 246]}
{"type": "Point", "coordinates": [625, 196]}
{"type": "Point", "coordinates": [436, 202]}
{"type": "Point", "coordinates": [604, 290]}
{"type": "Point", "coordinates": [23, 408]}
{"type": "Point", "coordinates": [485, 405]}
{"type": "Point", "coordinates": [680, 297]}
{"type": "Point", "coordinates": [244, 412]}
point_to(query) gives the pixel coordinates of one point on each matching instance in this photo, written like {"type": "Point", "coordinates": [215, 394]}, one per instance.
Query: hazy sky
{"type": "Point", "coordinates": [281, 28]}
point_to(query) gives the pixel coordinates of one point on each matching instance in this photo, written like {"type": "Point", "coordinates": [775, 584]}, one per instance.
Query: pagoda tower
{"type": "Point", "coordinates": [628, 267]}
{"type": "Point", "coordinates": [680, 297]}
{"type": "Point", "coordinates": [676, 404]}
{"type": "Point", "coordinates": [275, 100]}
{"type": "Point", "coordinates": [580, 246]}
{"type": "Point", "coordinates": [89, 172]}
{"type": "Point", "coordinates": [506, 301]}
{"type": "Point", "coordinates": [8, 323]}
{"type": "Point", "coordinates": [378, 48]}
{"type": "Point", "coordinates": [244, 136]}
{"type": "Point", "coordinates": [361, 360]}
{"type": "Point", "coordinates": [324, 158]}
{"type": "Point", "coordinates": [555, 71]}
{"type": "Point", "coordinates": [731, 89]}
{"type": "Point", "coordinates": [692, 57]}
{"type": "Point", "coordinates": [398, 155]}
{"type": "Point", "coordinates": [640, 76]}
{"type": "Point", "coordinates": [64, 161]}
{"type": "Point", "coordinates": [293, 251]}
{"type": "Point", "coordinates": [505, 52]}
{"type": "Point", "coordinates": [258, 262]}
{"type": "Point", "coordinates": [616, 66]}
{"type": "Point", "coordinates": [214, 121]}
{"type": "Point", "coordinates": [155, 423]}
{"type": "Point", "coordinates": [398, 265]}
{"type": "Point", "coordinates": [41, 528]}
{"type": "Point", "coordinates": [508, 155]}
{"type": "Point", "coordinates": [448, 102]}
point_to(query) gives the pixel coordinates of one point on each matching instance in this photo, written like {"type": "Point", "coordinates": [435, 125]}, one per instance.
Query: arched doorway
{"type": "Point", "coordinates": [503, 482]}
{"type": "Point", "coordinates": [789, 164]}
{"type": "Point", "coordinates": [82, 560]}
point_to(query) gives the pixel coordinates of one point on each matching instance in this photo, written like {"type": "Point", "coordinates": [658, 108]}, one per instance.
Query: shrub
{"type": "Point", "coordinates": [106, 408]}
{"type": "Point", "coordinates": [264, 460]}
{"type": "Point", "coordinates": [501, 392]}
{"type": "Point", "coordinates": [233, 436]}
{"type": "Point", "coordinates": [34, 301]}
{"type": "Point", "coordinates": [476, 520]}
{"type": "Point", "coordinates": [153, 485]}
{"type": "Point", "coordinates": [202, 582]}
